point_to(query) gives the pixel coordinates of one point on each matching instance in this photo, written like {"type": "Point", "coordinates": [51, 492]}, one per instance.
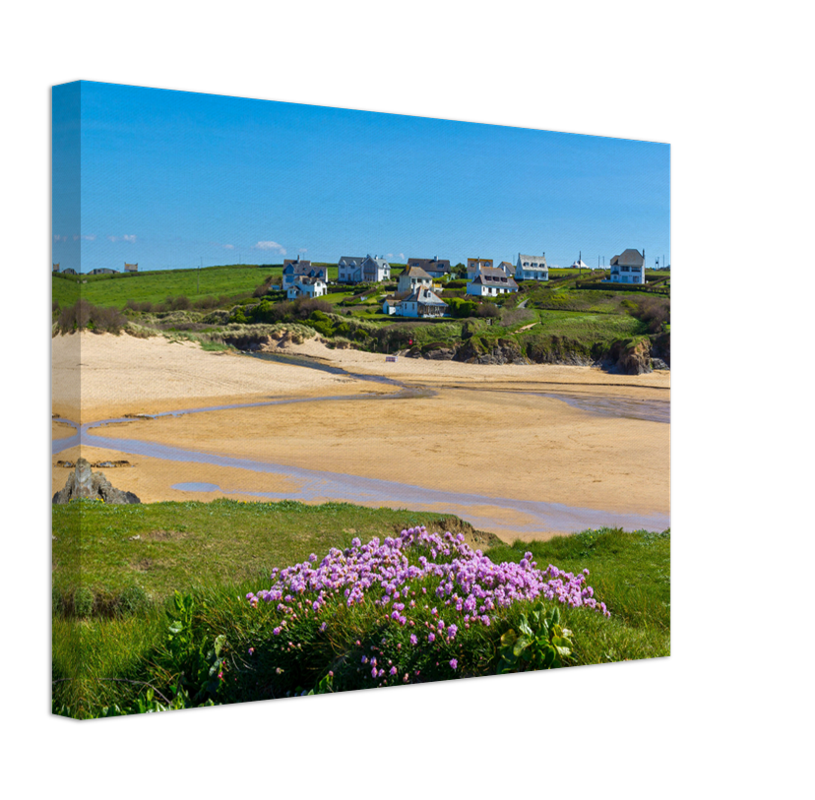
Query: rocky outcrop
{"type": "Point", "coordinates": [84, 483]}
{"type": "Point", "coordinates": [629, 357]}
{"type": "Point", "coordinates": [502, 351]}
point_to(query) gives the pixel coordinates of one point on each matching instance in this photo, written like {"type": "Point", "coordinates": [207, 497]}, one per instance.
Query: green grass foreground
{"type": "Point", "coordinates": [161, 621]}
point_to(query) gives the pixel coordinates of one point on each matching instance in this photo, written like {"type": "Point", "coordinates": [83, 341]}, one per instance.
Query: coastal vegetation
{"type": "Point", "coordinates": [570, 319]}
{"type": "Point", "coordinates": [304, 599]}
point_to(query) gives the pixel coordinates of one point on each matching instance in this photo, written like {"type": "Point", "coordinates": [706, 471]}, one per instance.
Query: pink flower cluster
{"type": "Point", "coordinates": [467, 580]}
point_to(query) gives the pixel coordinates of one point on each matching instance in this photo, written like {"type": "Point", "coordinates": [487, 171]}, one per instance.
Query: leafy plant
{"type": "Point", "coordinates": [540, 644]}
{"type": "Point", "coordinates": [200, 666]}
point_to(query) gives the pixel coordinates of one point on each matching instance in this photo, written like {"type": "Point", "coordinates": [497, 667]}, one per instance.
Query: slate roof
{"type": "Point", "coordinates": [540, 260]}
{"type": "Point", "coordinates": [352, 261]}
{"type": "Point", "coordinates": [491, 279]}
{"type": "Point", "coordinates": [434, 264]}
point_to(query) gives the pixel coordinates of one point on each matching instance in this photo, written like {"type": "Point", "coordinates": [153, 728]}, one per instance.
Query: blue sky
{"type": "Point", "coordinates": [172, 178]}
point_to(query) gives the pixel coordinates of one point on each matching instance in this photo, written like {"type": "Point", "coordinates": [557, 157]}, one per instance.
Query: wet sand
{"type": "Point", "coordinates": [494, 431]}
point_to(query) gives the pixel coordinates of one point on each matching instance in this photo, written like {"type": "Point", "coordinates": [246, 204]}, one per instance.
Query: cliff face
{"type": "Point", "coordinates": [628, 357]}
{"type": "Point", "coordinates": [84, 483]}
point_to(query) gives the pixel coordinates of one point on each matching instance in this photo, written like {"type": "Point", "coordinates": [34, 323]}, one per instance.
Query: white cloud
{"type": "Point", "coordinates": [229, 247]}
{"type": "Point", "coordinates": [86, 237]}
{"type": "Point", "coordinates": [303, 250]}
{"type": "Point", "coordinates": [125, 238]}
{"type": "Point", "coordinates": [278, 248]}
{"type": "Point", "coordinates": [130, 238]}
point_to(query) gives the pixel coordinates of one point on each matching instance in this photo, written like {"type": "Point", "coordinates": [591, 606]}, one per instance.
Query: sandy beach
{"type": "Point", "coordinates": [495, 431]}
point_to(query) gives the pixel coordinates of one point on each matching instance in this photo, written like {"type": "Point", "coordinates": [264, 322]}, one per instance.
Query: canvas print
{"type": "Point", "coordinates": [348, 400]}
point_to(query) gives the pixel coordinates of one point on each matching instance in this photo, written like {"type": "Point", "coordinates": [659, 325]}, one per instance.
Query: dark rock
{"type": "Point", "coordinates": [658, 363]}
{"type": "Point", "coordinates": [84, 483]}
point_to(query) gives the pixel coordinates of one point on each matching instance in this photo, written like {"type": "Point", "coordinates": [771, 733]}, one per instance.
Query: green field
{"type": "Point", "coordinates": [156, 286]}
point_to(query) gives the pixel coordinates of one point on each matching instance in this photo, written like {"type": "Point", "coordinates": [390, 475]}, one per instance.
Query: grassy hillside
{"type": "Point", "coordinates": [156, 286]}
{"type": "Point", "coordinates": [569, 319]}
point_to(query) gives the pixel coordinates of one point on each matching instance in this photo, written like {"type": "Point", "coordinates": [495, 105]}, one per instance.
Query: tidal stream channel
{"type": "Point", "coordinates": [483, 512]}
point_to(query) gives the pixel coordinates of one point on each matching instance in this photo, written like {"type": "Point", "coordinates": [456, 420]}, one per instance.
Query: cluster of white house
{"type": "Point", "coordinates": [415, 295]}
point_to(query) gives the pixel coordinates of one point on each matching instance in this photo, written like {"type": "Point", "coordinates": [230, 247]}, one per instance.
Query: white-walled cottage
{"type": "Point", "coordinates": [421, 303]}
{"type": "Point", "coordinates": [531, 268]}
{"type": "Point", "coordinates": [476, 265]}
{"type": "Point", "coordinates": [358, 269]}
{"type": "Point", "coordinates": [628, 267]}
{"type": "Point", "coordinates": [491, 282]}
{"type": "Point", "coordinates": [413, 277]}
{"type": "Point", "coordinates": [375, 269]}
{"type": "Point", "coordinates": [307, 287]}
{"type": "Point", "coordinates": [295, 270]}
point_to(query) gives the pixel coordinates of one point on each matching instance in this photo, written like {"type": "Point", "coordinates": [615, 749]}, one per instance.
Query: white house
{"type": "Point", "coordinates": [628, 267]}
{"type": "Point", "coordinates": [356, 269]}
{"type": "Point", "coordinates": [421, 302]}
{"type": "Point", "coordinates": [307, 287]}
{"type": "Point", "coordinates": [531, 268]}
{"type": "Point", "coordinates": [507, 268]}
{"type": "Point", "coordinates": [475, 265]}
{"type": "Point", "coordinates": [413, 277]}
{"type": "Point", "coordinates": [295, 270]}
{"type": "Point", "coordinates": [375, 269]}
{"type": "Point", "coordinates": [491, 282]}
{"type": "Point", "coordinates": [131, 267]}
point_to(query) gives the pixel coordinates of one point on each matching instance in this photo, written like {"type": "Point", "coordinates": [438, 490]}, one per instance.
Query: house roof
{"type": "Point", "coordinates": [491, 279]}
{"type": "Point", "coordinates": [434, 264]}
{"type": "Point", "coordinates": [424, 296]}
{"type": "Point", "coordinates": [352, 260]}
{"type": "Point", "coordinates": [540, 260]}
{"type": "Point", "coordinates": [382, 262]}
{"type": "Point", "coordinates": [628, 258]}
{"type": "Point", "coordinates": [415, 272]}
{"type": "Point", "coordinates": [494, 273]}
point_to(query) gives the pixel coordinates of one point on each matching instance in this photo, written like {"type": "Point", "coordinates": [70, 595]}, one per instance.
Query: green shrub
{"type": "Point", "coordinates": [132, 600]}
{"type": "Point", "coordinates": [460, 308]}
